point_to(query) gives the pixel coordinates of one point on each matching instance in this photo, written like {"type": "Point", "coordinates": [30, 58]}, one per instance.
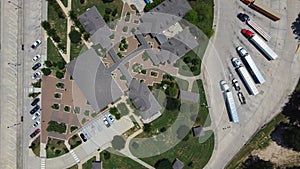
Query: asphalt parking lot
{"type": "Point", "coordinates": [281, 75]}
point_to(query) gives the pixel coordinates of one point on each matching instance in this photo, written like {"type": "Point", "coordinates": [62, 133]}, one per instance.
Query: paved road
{"type": "Point", "coordinates": [263, 107]}
{"type": "Point", "coordinates": [11, 81]}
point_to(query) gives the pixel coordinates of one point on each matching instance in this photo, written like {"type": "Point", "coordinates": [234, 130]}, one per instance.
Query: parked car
{"type": "Point", "coordinates": [36, 44]}
{"type": "Point", "coordinates": [36, 66]}
{"type": "Point", "coordinates": [36, 115]}
{"type": "Point", "coordinates": [35, 109]}
{"type": "Point", "coordinates": [106, 122]}
{"type": "Point", "coordinates": [36, 132]}
{"type": "Point", "coordinates": [236, 84]}
{"type": "Point", "coordinates": [36, 58]}
{"type": "Point", "coordinates": [242, 98]}
{"type": "Point", "coordinates": [83, 137]}
{"type": "Point", "coordinates": [35, 101]}
{"type": "Point", "coordinates": [35, 124]}
{"type": "Point", "coordinates": [111, 118]}
{"type": "Point", "coordinates": [36, 75]}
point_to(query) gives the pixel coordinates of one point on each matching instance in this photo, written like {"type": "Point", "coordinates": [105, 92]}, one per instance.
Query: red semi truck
{"type": "Point", "coordinates": [260, 44]}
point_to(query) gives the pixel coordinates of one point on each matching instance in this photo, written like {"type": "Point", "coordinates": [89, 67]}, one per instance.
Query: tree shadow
{"type": "Point", "coordinates": [296, 27]}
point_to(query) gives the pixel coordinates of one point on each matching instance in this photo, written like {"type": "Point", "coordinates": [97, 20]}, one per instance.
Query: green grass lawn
{"type": "Point", "coordinates": [203, 118]}
{"type": "Point", "coordinates": [122, 109]}
{"type": "Point", "coordinates": [65, 2]}
{"type": "Point", "coordinates": [59, 24]}
{"type": "Point", "coordinates": [80, 8]}
{"type": "Point", "coordinates": [55, 148]}
{"type": "Point", "coordinates": [88, 164]}
{"type": "Point", "coordinates": [76, 50]}
{"type": "Point", "coordinates": [188, 151]}
{"type": "Point", "coordinates": [183, 84]}
{"type": "Point", "coordinates": [35, 146]}
{"type": "Point", "coordinates": [119, 162]}
{"type": "Point", "coordinates": [52, 52]}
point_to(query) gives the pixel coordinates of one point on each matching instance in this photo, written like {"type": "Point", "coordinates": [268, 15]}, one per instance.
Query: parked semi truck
{"type": "Point", "coordinates": [245, 18]}
{"type": "Point", "coordinates": [245, 76]}
{"type": "Point", "coordinates": [229, 101]}
{"type": "Point", "coordinates": [263, 9]}
{"type": "Point", "coordinates": [260, 44]}
{"type": "Point", "coordinates": [250, 65]}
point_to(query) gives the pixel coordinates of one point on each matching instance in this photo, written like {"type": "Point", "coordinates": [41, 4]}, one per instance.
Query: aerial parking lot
{"type": "Point", "coordinates": [280, 75]}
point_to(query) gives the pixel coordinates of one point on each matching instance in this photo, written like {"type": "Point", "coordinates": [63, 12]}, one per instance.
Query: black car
{"type": "Point", "coordinates": [243, 17]}
{"type": "Point", "coordinates": [36, 66]}
{"type": "Point", "coordinates": [35, 109]}
{"type": "Point", "coordinates": [242, 98]}
{"type": "Point", "coordinates": [35, 101]}
{"type": "Point", "coordinates": [83, 137]}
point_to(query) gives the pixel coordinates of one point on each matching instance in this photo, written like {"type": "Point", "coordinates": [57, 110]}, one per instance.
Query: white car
{"type": "Point", "coordinates": [111, 118]}
{"type": "Point", "coordinates": [36, 44]}
{"type": "Point", "coordinates": [236, 62]}
{"type": "Point", "coordinates": [36, 124]}
{"type": "Point", "coordinates": [36, 115]}
{"type": "Point", "coordinates": [106, 122]}
{"type": "Point", "coordinates": [36, 75]}
{"type": "Point", "coordinates": [36, 58]}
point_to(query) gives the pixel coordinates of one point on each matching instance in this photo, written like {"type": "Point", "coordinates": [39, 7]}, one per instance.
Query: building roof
{"type": "Point", "coordinates": [97, 165]}
{"type": "Point", "coordinates": [91, 20]}
{"type": "Point", "coordinates": [177, 46]}
{"type": "Point", "coordinates": [163, 16]}
{"type": "Point", "coordinates": [101, 36]}
{"type": "Point", "coordinates": [95, 82]}
{"type": "Point", "coordinates": [197, 131]}
{"type": "Point", "coordinates": [144, 101]}
{"type": "Point", "coordinates": [177, 164]}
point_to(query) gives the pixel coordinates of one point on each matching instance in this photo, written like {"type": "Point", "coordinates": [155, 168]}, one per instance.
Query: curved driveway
{"type": "Point", "coordinates": [281, 75]}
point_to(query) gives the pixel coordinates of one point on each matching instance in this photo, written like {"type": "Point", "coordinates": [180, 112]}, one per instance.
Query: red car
{"type": "Point", "coordinates": [37, 131]}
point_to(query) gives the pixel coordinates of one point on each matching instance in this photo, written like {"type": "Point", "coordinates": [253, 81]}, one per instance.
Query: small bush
{"type": "Point", "coordinates": [75, 36]}
{"type": "Point", "coordinates": [59, 75]}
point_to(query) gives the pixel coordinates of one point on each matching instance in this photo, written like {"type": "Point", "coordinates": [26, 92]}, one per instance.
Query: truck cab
{"type": "Point", "coordinates": [241, 51]}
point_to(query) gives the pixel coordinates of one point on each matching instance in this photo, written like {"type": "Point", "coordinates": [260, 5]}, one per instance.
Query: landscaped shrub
{"type": "Point", "coordinates": [48, 63]}
{"type": "Point", "coordinates": [46, 25]}
{"type": "Point", "coordinates": [55, 106]}
{"type": "Point", "coordinates": [54, 126]}
{"type": "Point", "coordinates": [60, 85]}
{"type": "Point", "coordinates": [75, 36]}
{"type": "Point", "coordinates": [59, 75]}
{"type": "Point", "coordinates": [67, 108]}
{"type": "Point", "coordinates": [60, 65]}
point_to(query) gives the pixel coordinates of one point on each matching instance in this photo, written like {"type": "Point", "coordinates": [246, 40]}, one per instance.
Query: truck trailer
{"type": "Point", "coordinates": [245, 77]}
{"type": "Point", "coordinates": [229, 102]}
{"type": "Point", "coordinates": [263, 9]}
{"type": "Point", "coordinates": [250, 65]}
{"type": "Point", "coordinates": [260, 44]}
{"type": "Point", "coordinates": [245, 18]}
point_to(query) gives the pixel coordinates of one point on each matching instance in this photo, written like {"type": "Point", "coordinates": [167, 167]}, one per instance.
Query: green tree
{"type": "Point", "coordinates": [60, 65]}
{"type": "Point", "coordinates": [73, 15]}
{"type": "Point", "coordinates": [75, 36]}
{"type": "Point", "coordinates": [108, 11]}
{"type": "Point", "coordinates": [254, 162]}
{"type": "Point", "coordinates": [59, 74]}
{"type": "Point", "coordinates": [48, 63]}
{"type": "Point", "coordinates": [115, 11]}
{"type": "Point", "coordinates": [147, 128]}
{"type": "Point", "coordinates": [56, 38]}
{"type": "Point", "coordinates": [46, 25]}
{"type": "Point", "coordinates": [46, 71]}
{"type": "Point", "coordinates": [106, 17]}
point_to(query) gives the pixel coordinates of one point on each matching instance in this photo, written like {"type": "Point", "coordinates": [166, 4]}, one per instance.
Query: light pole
{"type": "Point", "coordinates": [14, 64]}
{"type": "Point", "coordinates": [18, 7]}
{"type": "Point", "coordinates": [14, 125]}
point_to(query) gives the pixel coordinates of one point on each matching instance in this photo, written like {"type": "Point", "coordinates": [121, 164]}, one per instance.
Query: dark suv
{"type": "Point", "coordinates": [83, 137]}
{"type": "Point", "coordinates": [35, 101]}
{"type": "Point", "coordinates": [36, 66]}
{"type": "Point", "coordinates": [35, 109]}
